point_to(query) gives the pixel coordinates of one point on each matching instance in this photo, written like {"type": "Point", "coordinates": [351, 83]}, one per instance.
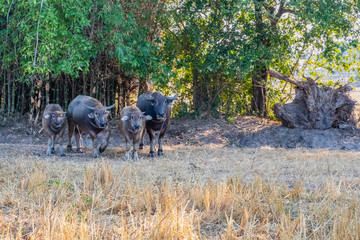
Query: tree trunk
{"type": "Point", "coordinates": [22, 105]}
{"type": "Point", "coordinates": [92, 84]}
{"type": "Point", "coordinates": [316, 106]}
{"type": "Point", "coordinates": [13, 98]}
{"type": "Point", "coordinates": [258, 101]}
{"type": "Point", "coordinates": [65, 93]}
{"type": "Point", "coordinates": [144, 84]}
{"type": "Point", "coordinates": [84, 84]}
{"type": "Point", "coordinates": [199, 92]}
{"type": "Point", "coordinates": [4, 95]}
{"type": "Point", "coordinates": [47, 94]}
{"type": "Point", "coordinates": [57, 90]}
{"type": "Point", "coordinates": [9, 93]}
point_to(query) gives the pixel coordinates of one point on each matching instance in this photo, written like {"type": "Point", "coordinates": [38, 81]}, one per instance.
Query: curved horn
{"type": "Point", "coordinates": [149, 98]}
{"type": "Point", "coordinates": [88, 107]}
{"type": "Point", "coordinates": [172, 98]}
{"type": "Point", "coordinates": [110, 107]}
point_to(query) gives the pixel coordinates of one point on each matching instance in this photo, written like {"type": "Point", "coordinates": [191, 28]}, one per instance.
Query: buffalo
{"type": "Point", "coordinates": [87, 114]}
{"type": "Point", "coordinates": [158, 107]}
{"type": "Point", "coordinates": [53, 125]}
{"type": "Point", "coordinates": [132, 127]}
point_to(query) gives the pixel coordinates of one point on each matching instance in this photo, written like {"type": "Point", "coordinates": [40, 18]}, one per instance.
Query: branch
{"type": "Point", "coordinates": [37, 33]}
{"type": "Point", "coordinates": [283, 77]}
{"type": "Point", "coordinates": [282, 10]}
{"type": "Point", "coordinates": [8, 13]}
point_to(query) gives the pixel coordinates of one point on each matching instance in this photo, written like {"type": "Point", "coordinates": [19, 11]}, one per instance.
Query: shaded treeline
{"type": "Point", "coordinates": [52, 51]}
{"type": "Point", "coordinates": [104, 81]}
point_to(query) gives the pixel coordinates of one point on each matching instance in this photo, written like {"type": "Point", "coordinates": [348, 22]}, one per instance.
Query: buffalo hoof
{"type": "Point", "coordinates": [141, 146]}
{"type": "Point", "coordinates": [101, 150]}
{"type": "Point", "coordinates": [69, 148]}
{"type": "Point", "coordinates": [151, 154]}
{"type": "Point", "coordinates": [52, 150]}
{"type": "Point", "coordinates": [136, 156]}
{"type": "Point", "coordinates": [62, 155]}
{"type": "Point", "coordinates": [160, 152]}
{"type": "Point", "coordinates": [79, 151]}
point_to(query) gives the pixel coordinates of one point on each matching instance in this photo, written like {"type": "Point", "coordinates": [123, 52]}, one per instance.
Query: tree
{"type": "Point", "coordinates": [243, 39]}
{"type": "Point", "coordinates": [59, 49]}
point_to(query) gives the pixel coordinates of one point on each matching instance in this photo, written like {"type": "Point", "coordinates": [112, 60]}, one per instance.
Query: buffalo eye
{"type": "Point", "coordinates": [155, 102]}
{"type": "Point", "coordinates": [96, 113]}
{"type": "Point", "coordinates": [132, 117]}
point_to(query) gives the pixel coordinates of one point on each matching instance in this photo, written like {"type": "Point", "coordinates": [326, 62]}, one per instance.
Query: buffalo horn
{"type": "Point", "coordinates": [88, 107]}
{"type": "Point", "coordinates": [172, 98]}
{"type": "Point", "coordinates": [110, 107]}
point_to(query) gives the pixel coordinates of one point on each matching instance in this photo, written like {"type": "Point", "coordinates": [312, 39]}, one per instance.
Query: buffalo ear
{"type": "Point", "coordinates": [64, 114]}
{"type": "Point", "coordinates": [148, 118]}
{"type": "Point", "coordinates": [124, 118]}
{"type": "Point", "coordinates": [91, 115]}
{"type": "Point", "coordinates": [47, 116]}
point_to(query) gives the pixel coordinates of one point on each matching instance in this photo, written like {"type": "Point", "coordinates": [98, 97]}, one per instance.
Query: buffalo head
{"type": "Point", "coordinates": [56, 118]}
{"type": "Point", "coordinates": [160, 103]}
{"type": "Point", "coordinates": [99, 114]}
{"type": "Point", "coordinates": [135, 118]}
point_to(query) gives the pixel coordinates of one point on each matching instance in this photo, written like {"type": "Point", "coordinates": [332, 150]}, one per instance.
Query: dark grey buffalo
{"type": "Point", "coordinates": [158, 107]}
{"type": "Point", "coordinates": [132, 126]}
{"type": "Point", "coordinates": [87, 114]}
{"type": "Point", "coordinates": [53, 123]}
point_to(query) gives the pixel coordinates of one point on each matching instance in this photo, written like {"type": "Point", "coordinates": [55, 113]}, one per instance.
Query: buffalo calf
{"type": "Point", "coordinates": [132, 127]}
{"type": "Point", "coordinates": [53, 125]}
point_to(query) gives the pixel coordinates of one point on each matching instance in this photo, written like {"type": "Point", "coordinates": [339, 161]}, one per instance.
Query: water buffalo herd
{"type": "Point", "coordinates": [87, 115]}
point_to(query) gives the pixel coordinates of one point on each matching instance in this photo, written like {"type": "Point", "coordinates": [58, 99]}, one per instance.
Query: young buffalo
{"type": "Point", "coordinates": [53, 125]}
{"type": "Point", "coordinates": [132, 127]}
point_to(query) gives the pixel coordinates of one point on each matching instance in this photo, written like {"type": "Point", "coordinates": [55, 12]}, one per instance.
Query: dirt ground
{"type": "Point", "coordinates": [249, 145]}
{"type": "Point", "coordinates": [244, 131]}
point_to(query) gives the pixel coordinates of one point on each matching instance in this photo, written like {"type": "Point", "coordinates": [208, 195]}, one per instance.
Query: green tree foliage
{"type": "Point", "coordinates": [48, 40]}
{"type": "Point", "coordinates": [223, 49]}
{"type": "Point", "coordinates": [214, 53]}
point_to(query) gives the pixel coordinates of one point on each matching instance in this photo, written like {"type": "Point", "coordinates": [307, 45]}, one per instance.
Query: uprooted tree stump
{"type": "Point", "coordinates": [315, 106]}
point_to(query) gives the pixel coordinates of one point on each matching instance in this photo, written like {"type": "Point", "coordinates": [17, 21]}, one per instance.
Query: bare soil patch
{"type": "Point", "coordinates": [245, 131]}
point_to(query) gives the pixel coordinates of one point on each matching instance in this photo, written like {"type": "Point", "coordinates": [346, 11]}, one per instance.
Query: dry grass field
{"type": "Point", "coordinates": [193, 192]}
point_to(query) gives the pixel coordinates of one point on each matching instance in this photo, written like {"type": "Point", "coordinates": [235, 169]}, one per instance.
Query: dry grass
{"type": "Point", "coordinates": [192, 193]}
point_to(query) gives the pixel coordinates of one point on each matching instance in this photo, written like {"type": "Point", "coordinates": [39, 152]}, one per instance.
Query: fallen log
{"type": "Point", "coordinates": [315, 105]}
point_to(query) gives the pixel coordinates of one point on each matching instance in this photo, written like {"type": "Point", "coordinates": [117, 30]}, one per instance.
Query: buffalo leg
{"type": "Point", "coordinates": [61, 140]}
{"type": "Point", "coordinates": [94, 143]}
{"type": "Point", "coordinates": [152, 142]}
{"type": "Point", "coordinates": [48, 152]}
{"type": "Point", "coordinates": [136, 148]}
{"type": "Point", "coordinates": [105, 142]}
{"type": "Point", "coordinates": [71, 132]}
{"type": "Point", "coordinates": [161, 142]}
{"type": "Point", "coordinates": [78, 138]}
{"type": "Point", "coordinates": [141, 146]}
{"type": "Point", "coordinates": [128, 149]}
{"type": "Point", "coordinates": [52, 143]}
